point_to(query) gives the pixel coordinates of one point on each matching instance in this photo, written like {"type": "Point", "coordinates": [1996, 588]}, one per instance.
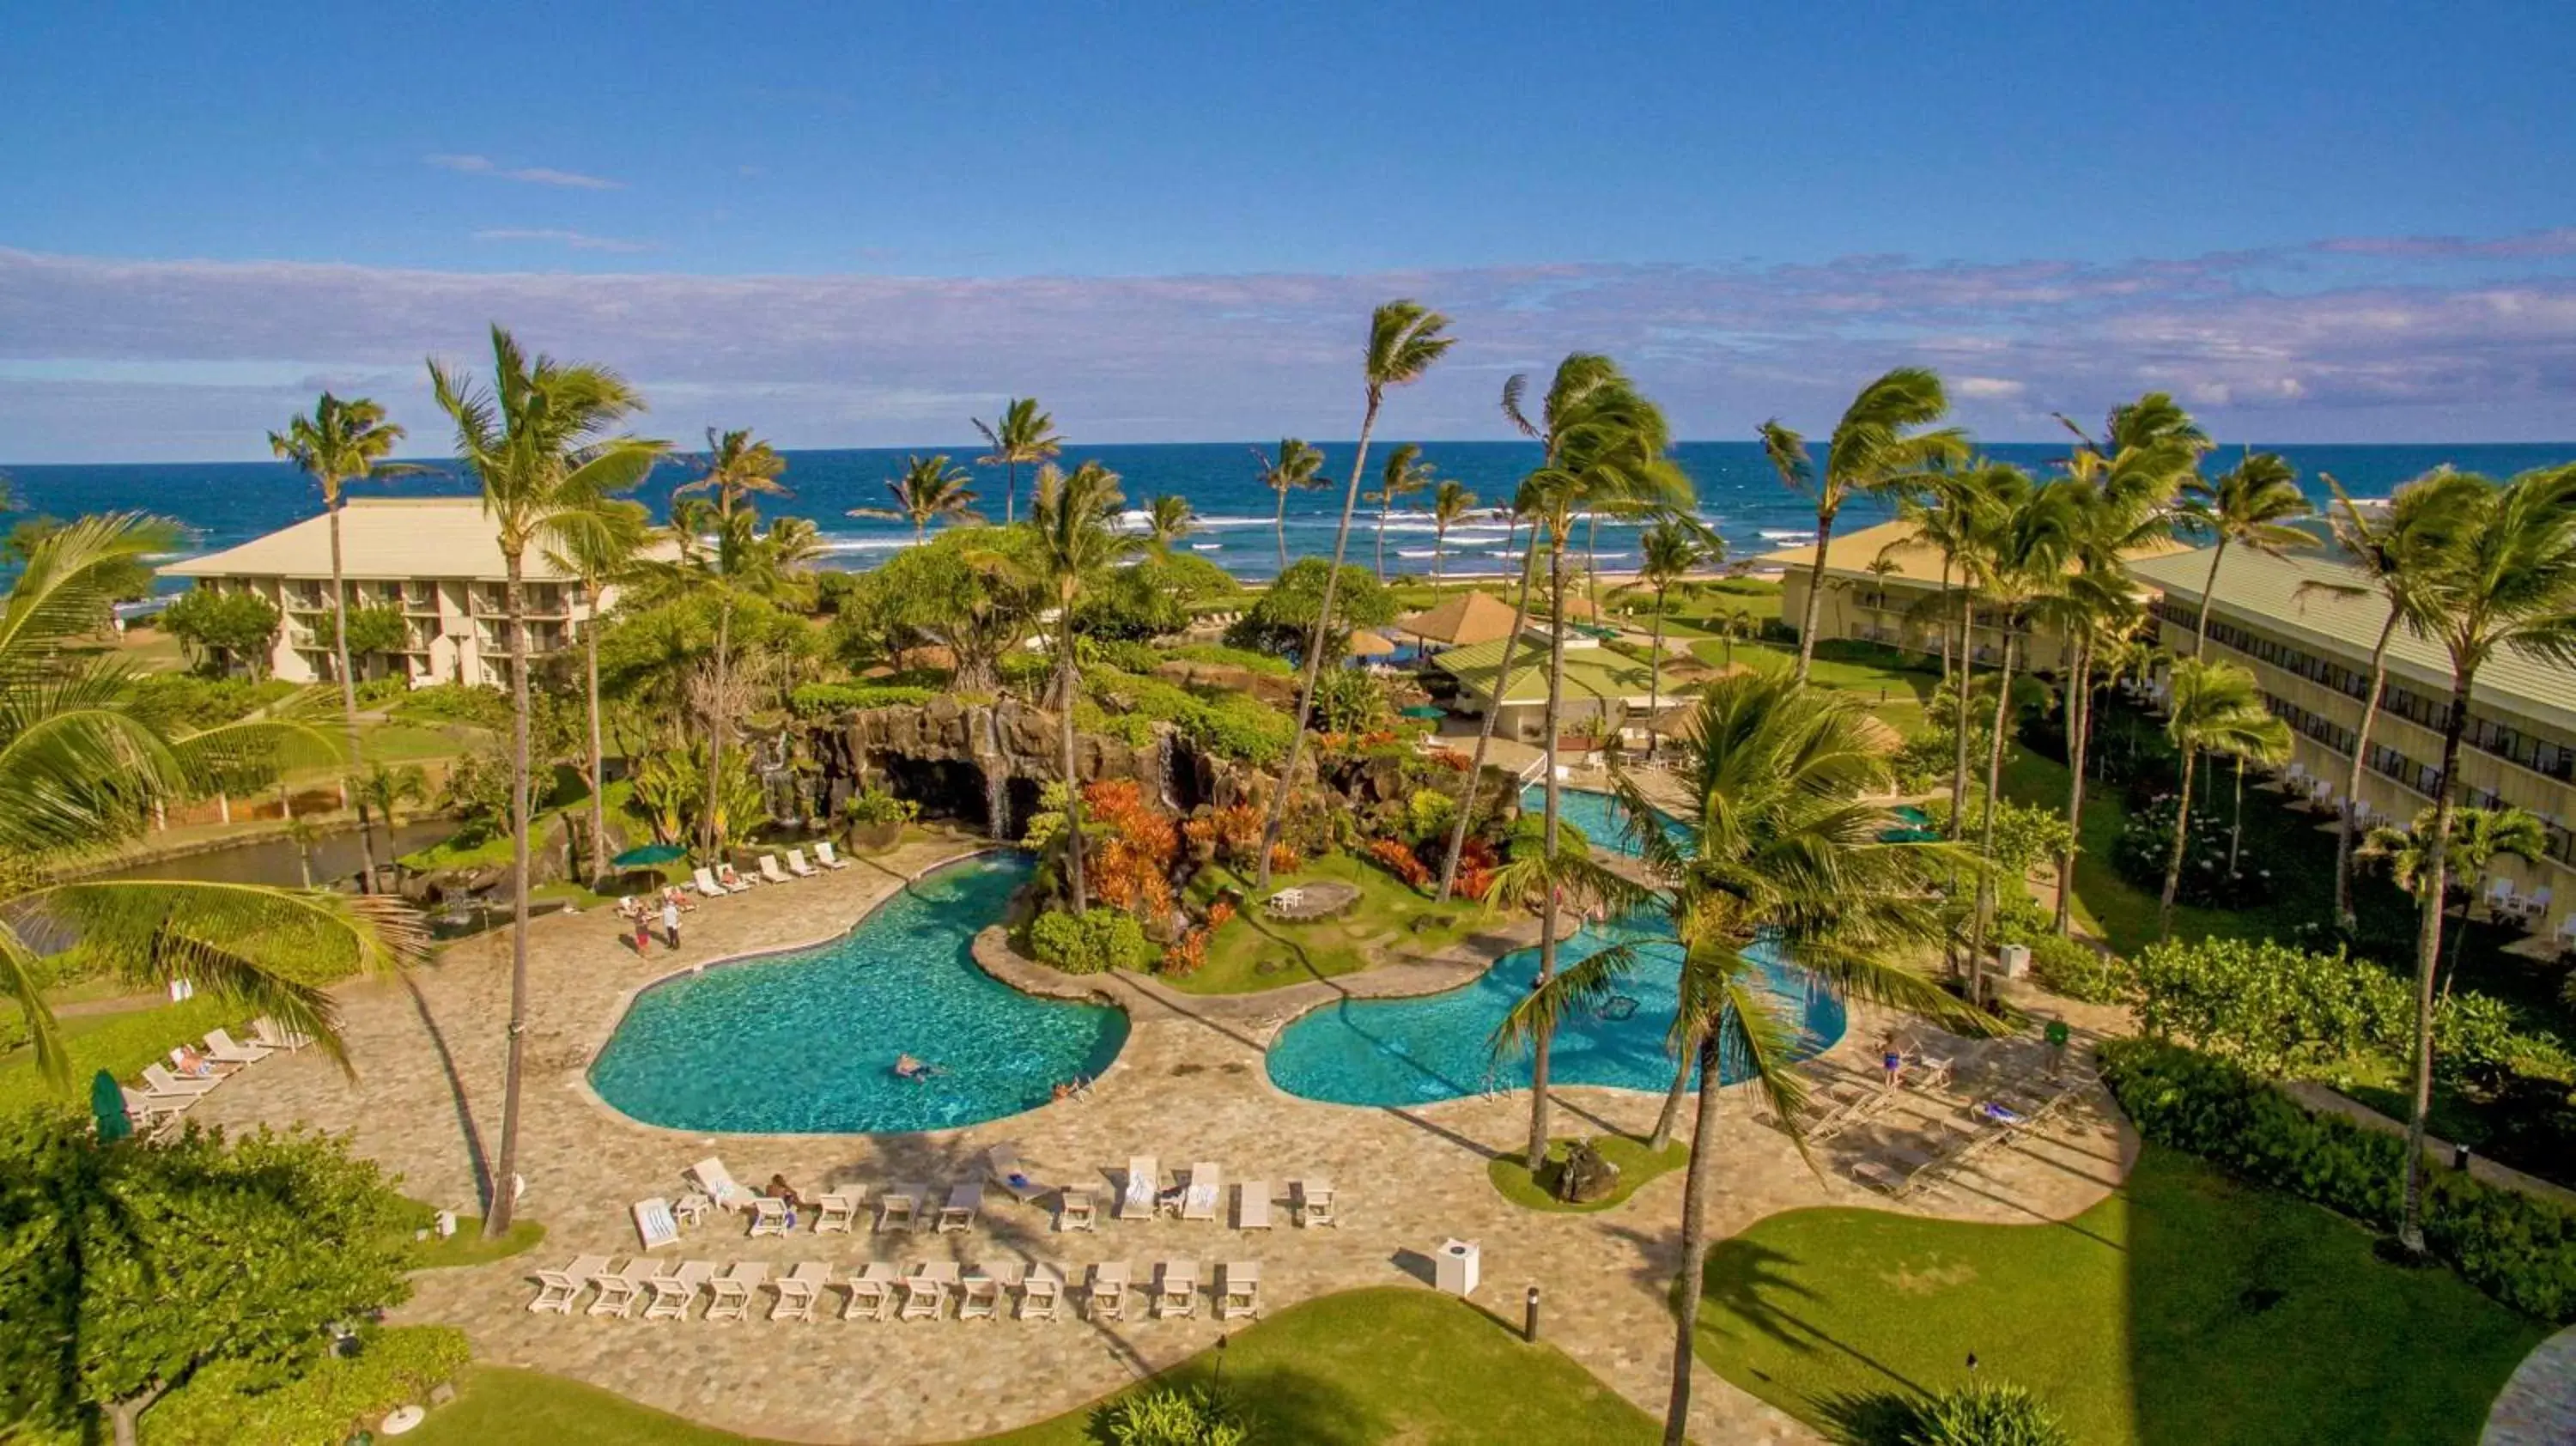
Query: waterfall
{"type": "Point", "coordinates": [1163, 769]}
{"type": "Point", "coordinates": [997, 781]}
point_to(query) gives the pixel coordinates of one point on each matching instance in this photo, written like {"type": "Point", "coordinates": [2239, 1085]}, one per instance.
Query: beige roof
{"type": "Point", "coordinates": [1851, 553]}
{"type": "Point", "coordinates": [1468, 618]}
{"type": "Point", "coordinates": [380, 537]}
{"type": "Point", "coordinates": [2264, 591]}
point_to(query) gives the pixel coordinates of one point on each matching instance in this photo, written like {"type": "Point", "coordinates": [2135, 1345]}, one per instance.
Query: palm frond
{"type": "Point", "coordinates": [1578, 989]}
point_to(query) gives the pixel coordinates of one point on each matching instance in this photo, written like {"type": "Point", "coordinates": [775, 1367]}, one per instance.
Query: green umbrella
{"type": "Point", "coordinates": [1425, 710]}
{"type": "Point", "coordinates": [107, 1101]}
{"type": "Point", "coordinates": [649, 854]}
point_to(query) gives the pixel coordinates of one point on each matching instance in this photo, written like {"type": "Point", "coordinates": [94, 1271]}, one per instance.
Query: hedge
{"type": "Point", "coordinates": [2516, 1248]}
{"type": "Point", "coordinates": [1091, 943]}
{"type": "Point", "coordinates": [397, 1366]}
{"type": "Point", "coordinates": [820, 700]}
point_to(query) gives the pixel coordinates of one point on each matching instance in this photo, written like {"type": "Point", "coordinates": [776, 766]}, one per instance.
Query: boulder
{"type": "Point", "coordinates": [1585, 1177]}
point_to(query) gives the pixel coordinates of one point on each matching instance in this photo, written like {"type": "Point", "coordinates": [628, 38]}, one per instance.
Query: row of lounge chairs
{"type": "Point", "coordinates": [170, 1090]}
{"type": "Point", "coordinates": [1909, 1166]}
{"type": "Point", "coordinates": [880, 1291]}
{"type": "Point", "coordinates": [723, 879]}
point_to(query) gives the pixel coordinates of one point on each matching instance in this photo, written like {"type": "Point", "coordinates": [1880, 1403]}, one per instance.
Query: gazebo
{"type": "Point", "coordinates": [1460, 622]}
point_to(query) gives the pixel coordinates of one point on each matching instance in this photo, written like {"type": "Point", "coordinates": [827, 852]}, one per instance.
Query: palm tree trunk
{"type": "Point", "coordinates": [1671, 1114]}
{"type": "Point", "coordinates": [2173, 859]}
{"type": "Point", "coordinates": [1385, 506]}
{"type": "Point", "coordinates": [2236, 819]}
{"type": "Point", "coordinates": [2345, 918]}
{"type": "Point", "coordinates": [496, 1214]}
{"type": "Point", "coordinates": [2428, 955]}
{"type": "Point", "coordinates": [1943, 605]}
{"type": "Point", "coordinates": [1696, 1188]}
{"type": "Point", "coordinates": [1545, 1034]}
{"type": "Point", "coordinates": [1485, 729]}
{"type": "Point", "coordinates": [1592, 561]}
{"type": "Point", "coordinates": [348, 693]}
{"type": "Point", "coordinates": [1315, 644]}
{"type": "Point", "coordinates": [1279, 528]}
{"type": "Point", "coordinates": [598, 754]}
{"type": "Point", "coordinates": [1815, 592]}
{"type": "Point", "coordinates": [1966, 681]}
{"type": "Point", "coordinates": [2208, 595]}
{"type": "Point", "coordinates": [716, 729]}
{"type": "Point", "coordinates": [1010, 493]}
{"type": "Point", "coordinates": [1990, 888]}
{"type": "Point", "coordinates": [1439, 546]}
{"type": "Point", "coordinates": [2079, 728]}
{"type": "Point", "coordinates": [1070, 670]}
{"type": "Point", "coordinates": [1655, 677]}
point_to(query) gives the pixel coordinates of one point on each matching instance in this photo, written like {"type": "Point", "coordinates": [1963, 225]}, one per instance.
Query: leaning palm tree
{"type": "Point", "coordinates": [1021, 436]}
{"type": "Point", "coordinates": [2505, 583]}
{"type": "Point", "coordinates": [2478, 837]}
{"type": "Point", "coordinates": [1299, 467]}
{"type": "Point", "coordinates": [82, 766]}
{"type": "Point", "coordinates": [597, 542]}
{"type": "Point", "coordinates": [1406, 473]}
{"type": "Point", "coordinates": [1502, 688]}
{"type": "Point", "coordinates": [2213, 708]}
{"type": "Point", "coordinates": [1777, 853]}
{"type": "Point", "coordinates": [1074, 543]}
{"type": "Point", "coordinates": [930, 490]}
{"type": "Point", "coordinates": [2391, 546]}
{"type": "Point", "coordinates": [1667, 553]}
{"type": "Point", "coordinates": [1449, 502]}
{"type": "Point", "coordinates": [542, 439]}
{"type": "Point", "coordinates": [745, 567]}
{"type": "Point", "coordinates": [1878, 448]}
{"type": "Point", "coordinates": [340, 443]}
{"type": "Point", "coordinates": [739, 468]}
{"type": "Point", "coordinates": [1404, 339]}
{"type": "Point", "coordinates": [1168, 519]}
{"type": "Point", "coordinates": [2254, 503]}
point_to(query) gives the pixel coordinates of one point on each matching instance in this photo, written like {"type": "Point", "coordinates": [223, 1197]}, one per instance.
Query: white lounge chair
{"type": "Point", "coordinates": [729, 1194]}
{"type": "Point", "coordinates": [673, 1293]}
{"type": "Point", "coordinates": [965, 1202]}
{"type": "Point", "coordinates": [705, 881]}
{"type": "Point", "coordinates": [1109, 1286]}
{"type": "Point", "coordinates": [838, 1210]}
{"type": "Point", "coordinates": [1252, 1205]}
{"type": "Point", "coordinates": [221, 1046]}
{"type": "Point", "coordinates": [729, 1294]}
{"type": "Point", "coordinates": [899, 1208]}
{"type": "Point", "coordinates": [872, 1292]}
{"type": "Point", "coordinates": [732, 879]}
{"type": "Point", "coordinates": [153, 1109]}
{"type": "Point", "coordinates": [655, 1225]}
{"type": "Point", "coordinates": [163, 1082]}
{"type": "Point", "coordinates": [1176, 1290]}
{"type": "Point", "coordinates": [2500, 898]}
{"type": "Point", "coordinates": [2536, 904]}
{"type": "Point", "coordinates": [1076, 1209]}
{"type": "Point", "coordinates": [770, 1216]}
{"type": "Point", "coordinates": [926, 1288]}
{"type": "Point", "coordinates": [771, 873]}
{"type": "Point", "coordinates": [1041, 1293]}
{"type": "Point", "coordinates": [269, 1032]}
{"type": "Point", "coordinates": [1002, 1162]}
{"type": "Point", "coordinates": [979, 1296]}
{"type": "Point", "coordinates": [1315, 1201]}
{"type": "Point", "coordinates": [1205, 1194]}
{"type": "Point", "coordinates": [828, 856]}
{"type": "Point", "coordinates": [796, 864]}
{"type": "Point", "coordinates": [619, 1291]}
{"type": "Point", "coordinates": [1144, 1182]}
{"type": "Point", "coordinates": [1238, 1290]}
{"type": "Point", "coordinates": [799, 1289]}
{"type": "Point", "coordinates": [557, 1288]}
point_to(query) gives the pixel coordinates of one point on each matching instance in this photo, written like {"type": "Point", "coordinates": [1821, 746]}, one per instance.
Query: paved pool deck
{"type": "Point", "coordinates": [1189, 1086]}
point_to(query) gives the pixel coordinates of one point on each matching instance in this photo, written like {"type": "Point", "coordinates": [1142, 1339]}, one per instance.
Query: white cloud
{"type": "Point", "coordinates": [576, 240]}
{"type": "Point", "coordinates": [534, 175]}
{"type": "Point", "coordinates": [1987, 388]}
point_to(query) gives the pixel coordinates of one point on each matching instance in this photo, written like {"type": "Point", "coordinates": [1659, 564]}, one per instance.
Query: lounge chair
{"type": "Point", "coordinates": [838, 1210]}
{"type": "Point", "coordinates": [979, 1296]}
{"type": "Point", "coordinates": [1075, 1209]}
{"type": "Point", "coordinates": [711, 1176]}
{"type": "Point", "coordinates": [672, 1293]}
{"type": "Point", "coordinates": [1315, 1202]}
{"type": "Point", "coordinates": [222, 1047]}
{"type": "Point", "coordinates": [899, 1208]}
{"type": "Point", "coordinates": [1109, 1284]}
{"type": "Point", "coordinates": [556, 1288]}
{"type": "Point", "coordinates": [1252, 1205]}
{"type": "Point", "coordinates": [1176, 1290]}
{"type": "Point", "coordinates": [732, 879]}
{"type": "Point", "coordinates": [707, 885]}
{"type": "Point", "coordinates": [269, 1032]}
{"type": "Point", "coordinates": [926, 1288]}
{"type": "Point", "coordinates": [771, 873]}
{"type": "Point", "coordinates": [1002, 1162]}
{"type": "Point", "coordinates": [965, 1202]}
{"type": "Point", "coordinates": [770, 1216]}
{"type": "Point", "coordinates": [829, 857]}
{"type": "Point", "coordinates": [619, 1291]}
{"type": "Point", "coordinates": [153, 1108]}
{"type": "Point", "coordinates": [163, 1082]}
{"type": "Point", "coordinates": [872, 1292]}
{"type": "Point", "coordinates": [219, 1068]}
{"type": "Point", "coordinates": [1143, 1183]}
{"type": "Point", "coordinates": [1041, 1293]}
{"type": "Point", "coordinates": [655, 1225]}
{"type": "Point", "coordinates": [796, 864]}
{"type": "Point", "coordinates": [2536, 904]}
{"type": "Point", "coordinates": [729, 1294]}
{"type": "Point", "coordinates": [799, 1289]}
{"type": "Point", "coordinates": [1238, 1290]}
{"type": "Point", "coordinates": [1205, 1195]}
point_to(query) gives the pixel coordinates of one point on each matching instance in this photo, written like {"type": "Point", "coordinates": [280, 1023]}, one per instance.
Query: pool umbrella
{"type": "Point", "coordinates": [1426, 711]}
{"type": "Point", "coordinates": [107, 1102]}
{"type": "Point", "coordinates": [649, 854]}
{"type": "Point", "coordinates": [1370, 645]}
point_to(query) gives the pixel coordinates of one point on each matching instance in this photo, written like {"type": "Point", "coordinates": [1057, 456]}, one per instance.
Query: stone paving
{"type": "Point", "coordinates": [2538, 1405]}
{"type": "Point", "coordinates": [1190, 1085]}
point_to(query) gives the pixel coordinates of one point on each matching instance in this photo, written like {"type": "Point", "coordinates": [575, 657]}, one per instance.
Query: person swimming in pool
{"type": "Point", "coordinates": [906, 1067]}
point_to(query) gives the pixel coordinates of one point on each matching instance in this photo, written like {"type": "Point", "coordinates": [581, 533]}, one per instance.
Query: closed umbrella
{"type": "Point", "coordinates": [107, 1102]}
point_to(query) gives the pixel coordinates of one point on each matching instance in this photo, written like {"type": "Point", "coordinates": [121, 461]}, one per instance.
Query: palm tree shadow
{"type": "Point", "coordinates": [465, 1126]}
{"type": "Point", "coordinates": [1753, 1283]}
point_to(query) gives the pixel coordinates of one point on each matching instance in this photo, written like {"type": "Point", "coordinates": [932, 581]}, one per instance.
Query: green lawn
{"type": "Point", "coordinates": [2185, 1309]}
{"type": "Point", "coordinates": [121, 1043]}
{"type": "Point", "coordinates": [467, 1246]}
{"type": "Point", "coordinates": [1367, 1366]}
{"type": "Point", "coordinates": [1896, 686]}
{"type": "Point", "coordinates": [1635, 1163]}
{"type": "Point", "coordinates": [1381, 929]}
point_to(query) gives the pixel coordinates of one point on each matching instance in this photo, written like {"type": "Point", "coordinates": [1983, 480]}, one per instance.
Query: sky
{"type": "Point", "coordinates": [853, 225]}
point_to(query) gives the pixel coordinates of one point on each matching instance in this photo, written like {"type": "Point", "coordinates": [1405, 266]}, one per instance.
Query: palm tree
{"type": "Point", "coordinates": [1299, 467]}
{"type": "Point", "coordinates": [1021, 436]}
{"type": "Point", "coordinates": [340, 443]}
{"type": "Point", "coordinates": [739, 468]}
{"type": "Point", "coordinates": [597, 542]}
{"type": "Point", "coordinates": [1485, 728]}
{"type": "Point", "coordinates": [1168, 519]}
{"type": "Point", "coordinates": [930, 490]}
{"type": "Point", "coordinates": [1877, 448]}
{"type": "Point", "coordinates": [1668, 552]}
{"type": "Point", "coordinates": [1073, 519]}
{"type": "Point", "coordinates": [541, 439]}
{"type": "Point", "coordinates": [2392, 547]}
{"type": "Point", "coordinates": [2506, 582]}
{"type": "Point", "coordinates": [1449, 502]}
{"type": "Point", "coordinates": [389, 788]}
{"type": "Point", "coordinates": [2211, 708]}
{"type": "Point", "coordinates": [2478, 836]}
{"type": "Point", "coordinates": [733, 557]}
{"type": "Point", "coordinates": [1951, 511]}
{"type": "Point", "coordinates": [1406, 473]}
{"type": "Point", "coordinates": [1404, 339]}
{"type": "Point", "coordinates": [2253, 503]}
{"type": "Point", "coordinates": [1777, 851]}
{"type": "Point", "coordinates": [82, 766]}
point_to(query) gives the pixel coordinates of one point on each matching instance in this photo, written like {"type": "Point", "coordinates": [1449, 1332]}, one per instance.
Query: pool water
{"type": "Point", "coordinates": [805, 1043]}
{"type": "Point", "coordinates": [1416, 1051]}
{"type": "Point", "coordinates": [1913, 826]}
{"type": "Point", "coordinates": [1600, 815]}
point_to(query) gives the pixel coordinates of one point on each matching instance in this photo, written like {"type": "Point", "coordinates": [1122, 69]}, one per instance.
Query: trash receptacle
{"type": "Point", "coordinates": [1455, 1267]}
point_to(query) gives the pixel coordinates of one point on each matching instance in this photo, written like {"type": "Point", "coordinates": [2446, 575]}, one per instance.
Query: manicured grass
{"type": "Point", "coordinates": [1636, 1166]}
{"type": "Point", "coordinates": [1380, 929]}
{"type": "Point", "coordinates": [2184, 1309]}
{"type": "Point", "coordinates": [411, 743]}
{"type": "Point", "coordinates": [467, 1246]}
{"type": "Point", "coordinates": [1367, 1366]}
{"type": "Point", "coordinates": [121, 1043]}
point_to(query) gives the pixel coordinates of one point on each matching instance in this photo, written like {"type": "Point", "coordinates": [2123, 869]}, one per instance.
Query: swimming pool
{"type": "Point", "coordinates": [1601, 817]}
{"type": "Point", "coordinates": [1416, 1051]}
{"type": "Point", "coordinates": [1913, 826]}
{"type": "Point", "coordinates": [805, 1043]}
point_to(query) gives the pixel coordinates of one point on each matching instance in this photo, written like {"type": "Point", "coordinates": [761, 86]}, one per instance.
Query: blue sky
{"type": "Point", "coordinates": [853, 225]}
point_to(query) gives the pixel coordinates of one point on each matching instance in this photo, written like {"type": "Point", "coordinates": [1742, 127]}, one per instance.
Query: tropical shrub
{"type": "Point", "coordinates": [2073, 969]}
{"type": "Point", "coordinates": [1396, 857]}
{"type": "Point", "coordinates": [874, 805]}
{"type": "Point", "coordinates": [184, 702]}
{"type": "Point", "coordinates": [1350, 700]}
{"type": "Point", "coordinates": [219, 1405]}
{"type": "Point", "coordinates": [1194, 1417]}
{"type": "Point", "coordinates": [1184, 956]}
{"type": "Point", "coordinates": [1244, 658]}
{"type": "Point", "coordinates": [1985, 1413]}
{"type": "Point", "coordinates": [1091, 943]}
{"type": "Point", "coordinates": [1282, 619]}
{"type": "Point", "coordinates": [220, 628]}
{"type": "Point", "coordinates": [378, 628]}
{"type": "Point", "coordinates": [2265, 1006]}
{"type": "Point", "coordinates": [1230, 725]}
{"type": "Point", "coordinates": [1139, 845]}
{"type": "Point", "coordinates": [2026, 835]}
{"type": "Point", "coordinates": [825, 700]}
{"type": "Point", "coordinates": [2515, 1247]}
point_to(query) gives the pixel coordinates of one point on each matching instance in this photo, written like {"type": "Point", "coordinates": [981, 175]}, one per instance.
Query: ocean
{"type": "Point", "coordinates": [221, 504]}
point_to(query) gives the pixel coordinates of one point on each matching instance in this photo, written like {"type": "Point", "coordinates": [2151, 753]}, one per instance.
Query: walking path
{"type": "Point", "coordinates": [1189, 1085]}
{"type": "Point", "coordinates": [2538, 1407]}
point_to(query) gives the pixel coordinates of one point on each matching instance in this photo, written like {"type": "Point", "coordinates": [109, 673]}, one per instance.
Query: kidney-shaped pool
{"type": "Point", "coordinates": [806, 1043]}
{"type": "Point", "coordinates": [1439, 1046]}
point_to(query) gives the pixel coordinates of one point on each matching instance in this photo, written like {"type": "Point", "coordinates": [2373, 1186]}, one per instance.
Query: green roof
{"type": "Point", "coordinates": [2263, 592]}
{"type": "Point", "coordinates": [1595, 673]}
